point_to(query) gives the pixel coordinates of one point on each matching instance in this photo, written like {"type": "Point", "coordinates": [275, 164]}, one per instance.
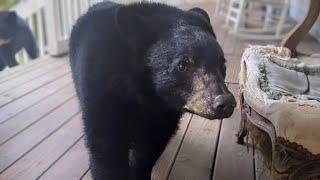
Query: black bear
{"type": "Point", "coordinates": [136, 69]}
{"type": "Point", "coordinates": [15, 34]}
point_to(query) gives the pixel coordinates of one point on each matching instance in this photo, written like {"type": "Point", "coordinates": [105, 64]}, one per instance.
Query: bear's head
{"type": "Point", "coordinates": [8, 24]}
{"type": "Point", "coordinates": [188, 68]}
{"type": "Point", "coordinates": [186, 61]}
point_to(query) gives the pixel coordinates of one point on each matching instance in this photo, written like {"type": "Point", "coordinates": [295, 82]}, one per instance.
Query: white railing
{"type": "Point", "coordinates": [51, 22]}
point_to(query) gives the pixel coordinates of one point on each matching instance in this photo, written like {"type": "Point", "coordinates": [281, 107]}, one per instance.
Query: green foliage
{"type": "Point", "coordinates": [263, 80]}
{"type": "Point", "coordinates": [6, 4]}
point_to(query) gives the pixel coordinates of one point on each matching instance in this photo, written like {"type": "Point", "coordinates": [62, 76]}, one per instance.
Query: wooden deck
{"type": "Point", "coordinates": [41, 133]}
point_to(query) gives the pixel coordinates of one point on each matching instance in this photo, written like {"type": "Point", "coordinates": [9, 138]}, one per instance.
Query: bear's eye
{"type": "Point", "coordinates": [182, 66]}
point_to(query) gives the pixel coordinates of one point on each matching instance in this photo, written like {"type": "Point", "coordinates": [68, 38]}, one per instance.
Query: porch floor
{"type": "Point", "coordinates": [41, 133]}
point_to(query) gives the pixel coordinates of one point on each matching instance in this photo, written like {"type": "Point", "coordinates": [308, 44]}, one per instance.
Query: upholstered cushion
{"type": "Point", "coordinates": [285, 91]}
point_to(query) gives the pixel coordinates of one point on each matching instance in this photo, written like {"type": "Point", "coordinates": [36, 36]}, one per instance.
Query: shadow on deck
{"type": "Point", "coordinates": [41, 134]}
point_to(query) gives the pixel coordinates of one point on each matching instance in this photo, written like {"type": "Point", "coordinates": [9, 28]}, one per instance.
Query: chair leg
{"type": "Point", "coordinates": [243, 131]}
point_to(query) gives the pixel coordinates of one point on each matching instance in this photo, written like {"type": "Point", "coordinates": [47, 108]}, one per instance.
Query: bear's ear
{"type": "Point", "coordinates": [12, 16]}
{"type": "Point", "coordinates": [201, 13]}
{"type": "Point", "coordinates": [131, 26]}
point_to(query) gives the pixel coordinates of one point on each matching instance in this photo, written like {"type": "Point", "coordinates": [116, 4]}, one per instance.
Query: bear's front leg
{"type": "Point", "coordinates": [2, 65]}
{"type": "Point", "coordinates": [9, 59]}
{"type": "Point", "coordinates": [145, 154]}
{"type": "Point", "coordinates": [108, 155]}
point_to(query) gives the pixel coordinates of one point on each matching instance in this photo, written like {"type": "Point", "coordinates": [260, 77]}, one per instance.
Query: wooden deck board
{"type": "Point", "coordinates": [165, 163]}
{"type": "Point", "coordinates": [262, 172]}
{"type": "Point", "coordinates": [11, 73]}
{"type": "Point", "coordinates": [33, 114]}
{"type": "Point", "coordinates": [233, 70]}
{"type": "Point", "coordinates": [87, 176]}
{"type": "Point", "coordinates": [233, 160]}
{"type": "Point", "coordinates": [28, 87]}
{"type": "Point", "coordinates": [35, 162]}
{"type": "Point", "coordinates": [65, 167]}
{"type": "Point", "coordinates": [32, 75]}
{"type": "Point", "coordinates": [30, 99]}
{"type": "Point", "coordinates": [196, 155]}
{"type": "Point", "coordinates": [26, 140]}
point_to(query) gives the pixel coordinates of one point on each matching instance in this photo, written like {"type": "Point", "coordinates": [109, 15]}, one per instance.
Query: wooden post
{"type": "Point", "coordinates": [295, 35]}
{"type": "Point", "coordinates": [40, 32]}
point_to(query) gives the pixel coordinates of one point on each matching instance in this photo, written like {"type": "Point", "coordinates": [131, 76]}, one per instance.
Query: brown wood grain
{"type": "Point", "coordinates": [228, 45]}
{"type": "Point", "coordinates": [195, 158]}
{"type": "Point", "coordinates": [87, 176]}
{"type": "Point", "coordinates": [28, 87]}
{"type": "Point", "coordinates": [233, 70]}
{"type": "Point", "coordinates": [72, 165]}
{"type": "Point", "coordinates": [261, 170]}
{"type": "Point", "coordinates": [163, 166]}
{"type": "Point", "coordinates": [30, 137]}
{"type": "Point", "coordinates": [30, 76]}
{"type": "Point", "coordinates": [33, 114]}
{"type": "Point", "coordinates": [30, 99]}
{"type": "Point", "coordinates": [19, 70]}
{"type": "Point", "coordinates": [35, 162]}
{"type": "Point", "coordinates": [233, 161]}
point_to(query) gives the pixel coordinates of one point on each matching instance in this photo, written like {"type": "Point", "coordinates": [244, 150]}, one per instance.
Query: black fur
{"type": "Point", "coordinates": [18, 34]}
{"type": "Point", "coordinates": [124, 61]}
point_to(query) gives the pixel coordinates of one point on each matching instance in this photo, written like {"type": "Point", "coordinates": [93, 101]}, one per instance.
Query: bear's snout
{"type": "Point", "coordinates": [224, 105]}
{"type": "Point", "coordinates": [219, 107]}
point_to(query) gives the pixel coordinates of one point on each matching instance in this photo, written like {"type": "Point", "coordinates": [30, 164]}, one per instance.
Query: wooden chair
{"type": "Point", "coordinates": [221, 8]}
{"type": "Point", "coordinates": [246, 19]}
{"type": "Point", "coordinates": [292, 125]}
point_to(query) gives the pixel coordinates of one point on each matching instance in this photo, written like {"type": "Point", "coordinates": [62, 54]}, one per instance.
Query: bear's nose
{"type": "Point", "coordinates": [223, 105]}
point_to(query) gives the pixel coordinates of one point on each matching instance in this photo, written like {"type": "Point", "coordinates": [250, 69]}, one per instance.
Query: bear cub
{"type": "Point", "coordinates": [136, 69]}
{"type": "Point", "coordinates": [15, 34]}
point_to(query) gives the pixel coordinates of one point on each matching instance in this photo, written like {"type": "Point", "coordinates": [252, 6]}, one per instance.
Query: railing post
{"type": "Point", "coordinates": [55, 47]}
{"type": "Point", "coordinates": [40, 33]}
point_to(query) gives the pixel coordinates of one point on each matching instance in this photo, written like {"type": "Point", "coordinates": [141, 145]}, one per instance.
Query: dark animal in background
{"type": "Point", "coordinates": [15, 34]}
{"type": "Point", "coordinates": [136, 69]}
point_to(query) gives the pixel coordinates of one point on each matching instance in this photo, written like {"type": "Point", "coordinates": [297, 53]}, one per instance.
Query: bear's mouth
{"type": "Point", "coordinates": [212, 116]}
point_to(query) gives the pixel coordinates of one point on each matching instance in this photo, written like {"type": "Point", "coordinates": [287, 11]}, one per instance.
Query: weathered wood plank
{"type": "Point", "coordinates": [240, 46]}
{"type": "Point", "coordinates": [33, 114]}
{"type": "Point", "coordinates": [261, 170]}
{"type": "Point", "coordinates": [232, 160]}
{"type": "Point", "coordinates": [87, 176]}
{"type": "Point", "coordinates": [34, 163]}
{"type": "Point", "coordinates": [30, 99]}
{"type": "Point", "coordinates": [195, 158]}
{"type": "Point", "coordinates": [19, 91]}
{"type": "Point", "coordinates": [229, 44]}
{"type": "Point", "coordinates": [33, 75]}
{"type": "Point", "coordinates": [163, 166]}
{"type": "Point", "coordinates": [11, 73]}
{"type": "Point", "coordinates": [71, 165]}
{"type": "Point", "coordinates": [30, 137]}
{"type": "Point", "coordinates": [233, 70]}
